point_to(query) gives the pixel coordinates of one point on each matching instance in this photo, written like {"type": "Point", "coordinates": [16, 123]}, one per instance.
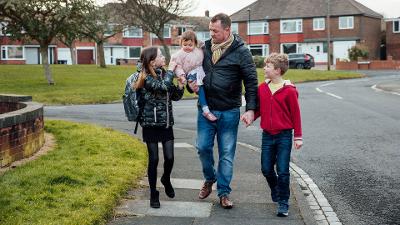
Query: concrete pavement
{"type": "Point", "coordinates": [250, 194]}
{"type": "Point", "coordinates": [392, 87]}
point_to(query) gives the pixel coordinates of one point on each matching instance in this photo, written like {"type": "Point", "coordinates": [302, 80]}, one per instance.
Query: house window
{"type": "Point", "coordinates": [203, 36]}
{"type": "Point", "coordinates": [235, 28]}
{"type": "Point", "coordinates": [291, 26]}
{"type": "Point", "coordinates": [290, 48]}
{"type": "Point", "coordinates": [257, 27]}
{"type": "Point", "coordinates": [181, 30]}
{"type": "Point", "coordinates": [133, 32]}
{"type": "Point", "coordinates": [167, 31]}
{"type": "Point", "coordinates": [396, 26]}
{"type": "Point", "coordinates": [3, 29]}
{"type": "Point", "coordinates": [346, 22]}
{"type": "Point", "coordinates": [109, 30]}
{"type": "Point", "coordinates": [319, 24]}
{"type": "Point", "coordinates": [134, 52]}
{"type": "Point", "coordinates": [12, 52]}
{"type": "Point", "coordinates": [259, 50]}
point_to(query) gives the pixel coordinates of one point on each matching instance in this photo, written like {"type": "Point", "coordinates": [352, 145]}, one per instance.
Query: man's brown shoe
{"type": "Point", "coordinates": [225, 202]}
{"type": "Point", "coordinates": [206, 189]}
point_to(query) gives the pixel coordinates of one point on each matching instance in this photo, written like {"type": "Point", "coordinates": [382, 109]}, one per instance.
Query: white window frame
{"type": "Point", "coordinates": [298, 47]}
{"type": "Point", "coordinates": [169, 31]}
{"type": "Point", "coordinates": [396, 31]}
{"type": "Point", "coordinates": [299, 26]}
{"type": "Point", "coordinates": [4, 48]}
{"type": "Point", "coordinates": [3, 27]}
{"type": "Point", "coordinates": [126, 32]}
{"type": "Point", "coordinates": [262, 27]}
{"type": "Point", "coordinates": [319, 23]}
{"type": "Point", "coordinates": [263, 47]}
{"type": "Point", "coordinates": [203, 35]}
{"type": "Point", "coordinates": [128, 52]}
{"type": "Point", "coordinates": [235, 28]}
{"type": "Point", "coordinates": [349, 19]}
{"type": "Point", "coordinates": [110, 28]}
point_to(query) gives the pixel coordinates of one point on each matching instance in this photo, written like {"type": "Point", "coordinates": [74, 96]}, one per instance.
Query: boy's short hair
{"type": "Point", "coordinates": [279, 60]}
{"type": "Point", "coordinates": [189, 36]}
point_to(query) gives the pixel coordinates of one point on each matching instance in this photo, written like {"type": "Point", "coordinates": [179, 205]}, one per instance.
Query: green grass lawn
{"type": "Point", "coordinates": [298, 76]}
{"type": "Point", "coordinates": [88, 84]}
{"type": "Point", "coordinates": [79, 182]}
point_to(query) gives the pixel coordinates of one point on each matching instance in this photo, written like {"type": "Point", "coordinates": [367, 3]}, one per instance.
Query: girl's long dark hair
{"type": "Point", "coordinates": [147, 55]}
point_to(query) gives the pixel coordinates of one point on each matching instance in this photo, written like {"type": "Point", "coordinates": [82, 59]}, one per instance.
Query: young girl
{"type": "Point", "coordinates": [188, 61]}
{"type": "Point", "coordinates": [157, 90]}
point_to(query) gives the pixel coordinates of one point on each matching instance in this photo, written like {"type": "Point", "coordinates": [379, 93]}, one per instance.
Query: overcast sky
{"type": "Point", "coordinates": [389, 8]}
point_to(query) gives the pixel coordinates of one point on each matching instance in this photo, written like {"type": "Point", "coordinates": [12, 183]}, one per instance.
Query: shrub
{"type": "Point", "coordinates": [259, 61]}
{"type": "Point", "coordinates": [358, 51]}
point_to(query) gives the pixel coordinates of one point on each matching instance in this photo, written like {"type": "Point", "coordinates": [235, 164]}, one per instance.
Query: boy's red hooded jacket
{"type": "Point", "coordinates": [279, 111]}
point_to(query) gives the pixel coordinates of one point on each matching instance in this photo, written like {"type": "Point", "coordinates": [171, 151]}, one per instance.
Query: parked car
{"type": "Point", "coordinates": [301, 61]}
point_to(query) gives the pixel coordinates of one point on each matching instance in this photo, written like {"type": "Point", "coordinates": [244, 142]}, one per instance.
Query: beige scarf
{"type": "Point", "coordinates": [218, 49]}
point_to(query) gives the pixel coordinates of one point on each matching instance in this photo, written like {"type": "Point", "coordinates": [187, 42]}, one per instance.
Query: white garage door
{"type": "Point", "coordinates": [340, 49]}
{"type": "Point", "coordinates": [64, 54]}
{"type": "Point", "coordinates": [32, 55]}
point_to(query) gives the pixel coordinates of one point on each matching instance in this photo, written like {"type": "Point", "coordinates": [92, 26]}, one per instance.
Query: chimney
{"type": "Point", "coordinates": [207, 13]}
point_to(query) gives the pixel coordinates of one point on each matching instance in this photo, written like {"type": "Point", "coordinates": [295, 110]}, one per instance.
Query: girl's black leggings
{"type": "Point", "coordinates": [168, 150]}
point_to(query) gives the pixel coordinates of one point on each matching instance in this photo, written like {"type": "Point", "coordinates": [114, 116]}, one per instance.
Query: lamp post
{"type": "Point", "coordinates": [248, 28]}
{"type": "Point", "coordinates": [328, 27]}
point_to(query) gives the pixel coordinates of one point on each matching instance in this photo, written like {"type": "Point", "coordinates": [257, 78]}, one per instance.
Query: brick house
{"type": "Point", "coordinates": [393, 38]}
{"type": "Point", "coordinates": [293, 26]}
{"type": "Point", "coordinates": [124, 47]}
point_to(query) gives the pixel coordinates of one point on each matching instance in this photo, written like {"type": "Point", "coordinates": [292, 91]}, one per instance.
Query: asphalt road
{"type": "Point", "coordinates": [351, 135]}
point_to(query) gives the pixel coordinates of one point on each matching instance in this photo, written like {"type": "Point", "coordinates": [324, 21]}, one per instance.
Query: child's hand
{"type": "Point", "coordinates": [172, 65]}
{"type": "Point", "coordinates": [193, 85]}
{"type": "Point", "coordinates": [181, 81]}
{"type": "Point", "coordinates": [298, 144]}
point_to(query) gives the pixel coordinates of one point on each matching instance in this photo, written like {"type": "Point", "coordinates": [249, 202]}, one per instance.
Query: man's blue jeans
{"type": "Point", "coordinates": [275, 149]}
{"type": "Point", "coordinates": [226, 128]}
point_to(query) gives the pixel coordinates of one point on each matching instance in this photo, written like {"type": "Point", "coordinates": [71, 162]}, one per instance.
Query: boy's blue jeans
{"type": "Point", "coordinates": [226, 128]}
{"type": "Point", "coordinates": [275, 149]}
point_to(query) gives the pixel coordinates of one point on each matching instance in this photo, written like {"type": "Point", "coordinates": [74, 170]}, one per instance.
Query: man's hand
{"type": "Point", "coordinates": [248, 117]}
{"type": "Point", "coordinates": [298, 144]}
{"type": "Point", "coordinates": [193, 85]}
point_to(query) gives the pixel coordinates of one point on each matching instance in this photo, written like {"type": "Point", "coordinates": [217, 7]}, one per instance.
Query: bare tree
{"type": "Point", "coordinates": [41, 20]}
{"type": "Point", "coordinates": [153, 15]}
{"type": "Point", "coordinates": [101, 24]}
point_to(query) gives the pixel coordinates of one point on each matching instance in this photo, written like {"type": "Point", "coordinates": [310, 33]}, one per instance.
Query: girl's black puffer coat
{"type": "Point", "coordinates": [156, 99]}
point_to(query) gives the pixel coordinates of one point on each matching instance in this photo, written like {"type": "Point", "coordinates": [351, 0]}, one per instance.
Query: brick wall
{"type": "Point", "coordinates": [392, 41]}
{"type": "Point", "coordinates": [21, 131]}
{"type": "Point", "coordinates": [389, 64]}
{"type": "Point", "coordinates": [6, 107]}
{"type": "Point", "coordinates": [371, 36]}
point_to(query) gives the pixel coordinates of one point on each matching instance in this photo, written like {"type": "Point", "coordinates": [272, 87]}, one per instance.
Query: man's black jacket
{"type": "Point", "coordinates": [223, 80]}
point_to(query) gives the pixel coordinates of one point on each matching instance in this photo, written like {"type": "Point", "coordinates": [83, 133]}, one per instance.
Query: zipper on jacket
{"type": "Point", "coordinates": [167, 110]}
{"type": "Point", "coordinates": [155, 114]}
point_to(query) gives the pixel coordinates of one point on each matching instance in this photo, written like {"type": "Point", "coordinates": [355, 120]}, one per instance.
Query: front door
{"type": "Point", "coordinates": [85, 56]}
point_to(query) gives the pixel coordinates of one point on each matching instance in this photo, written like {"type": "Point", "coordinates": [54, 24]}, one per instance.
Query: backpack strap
{"type": "Point", "coordinates": [136, 126]}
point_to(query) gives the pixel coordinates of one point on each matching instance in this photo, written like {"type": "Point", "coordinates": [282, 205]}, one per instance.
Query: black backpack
{"type": "Point", "coordinates": [131, 100]}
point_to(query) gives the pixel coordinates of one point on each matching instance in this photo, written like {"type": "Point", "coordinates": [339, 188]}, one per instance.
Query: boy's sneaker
{"type": "Point", "coordinates": [283, 209]}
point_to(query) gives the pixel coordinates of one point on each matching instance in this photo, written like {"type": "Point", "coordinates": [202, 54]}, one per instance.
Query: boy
{"type": "Point", "coordinates": [280, 115]}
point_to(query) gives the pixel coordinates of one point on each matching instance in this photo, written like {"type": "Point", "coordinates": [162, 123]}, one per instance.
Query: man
{"type": "Point", "coordinates": [227, 63]}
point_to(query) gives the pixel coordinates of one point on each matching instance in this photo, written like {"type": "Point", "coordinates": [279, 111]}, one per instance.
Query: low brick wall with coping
{"type": "Point", "coordinates": [388, 64]}
{"type": "Point", "coordinates": [21, 128]}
